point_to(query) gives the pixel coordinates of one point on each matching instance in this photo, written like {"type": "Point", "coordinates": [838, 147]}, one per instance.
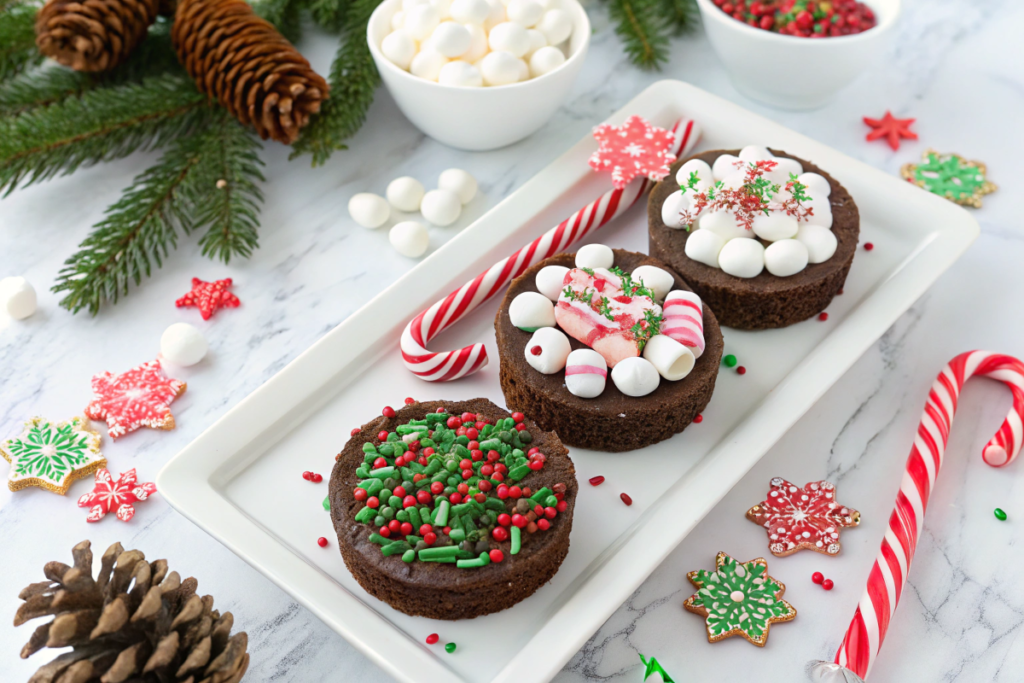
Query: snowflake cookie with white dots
{"type": "Point", "coordinates": [52, 455]}
{"type": "Point", "coordinates": [738, 599]}
{"type": "Point", "coordinates": [802, 518]}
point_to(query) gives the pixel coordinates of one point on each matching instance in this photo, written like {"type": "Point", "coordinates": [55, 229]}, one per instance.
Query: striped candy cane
{"type": "Point", "coordinates": [889, 573]}
{"type": "Point", "coordinates": [444, 366]}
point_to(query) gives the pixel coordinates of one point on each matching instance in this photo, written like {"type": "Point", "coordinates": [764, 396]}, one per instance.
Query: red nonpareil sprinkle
{"type": "Point", "coordinates": [382, 436]}
{"type": "Point", "coordinates": [455, 498]}
{"type": "Point", "coordinates": [868, 246]}
{"type": "Point", "coordinates": [355, 430]}
{"type": "Point", "coordinates": [827, 584]}
{"type": "Point", "coordinates": [406, 528]}
{"type": "Point", "coordinates": [409, 400]}
{"type": "Point", "coordinates": [698, 418]}
{"type": "Point", "coordinates": [515, 492]}
{"type": "Point", "coordinates": [432, 638]}
{"type": "Point", "coordinates": [823, 316]}
{"type": "Point", "coordinates": [562, 505]}
{"type": "Point", "coordinates": [307, 475]}
{"type": "Point", "coordinates": [388, 412]}
{"type": "Point", "coordinates": [462, 488]}
{"type": "Point", "coordinates": [322, 542]}
{"type": "Point", "coordinates": [505, 519]}
{"type": "Point", "coordinates": [740, 370]}
{"type": "Point", "coordinates": [839, 292]}
{"type": "Point", "coordinates": [536, 350]}
{"type": "Point", "coordinates": [500, 534]}
{"type": "Point", "coordinates": [385, 532]}
{"type": "Point", "coordinates": [502, 492]}
{"type": "Point", "coordinates": [395, 526]}
{"type": "Point", "coordinates": [379, 462]}
{"type": "Point", "coordinates": [817, 577]}
{"type": "Point", "coordinates": [596, 481]}
{"type": "Point", "coordinates": [626, 499]}
{"type": "Point", "coordinates": [518, 417]}
{"type": "Point", "coordinates": [317, 478]}
{"type": "Point", "coordinates": [496, 555]}
{"type": "Point", "coordinates": [543, 524]}
{"type": "Point", "coordinates": [360, 494]}
{"type": "Point", "coordinates": [372, 502]}
{"type": "Point", "coordinates": [518, 520]}
{"type": "Point", "coordinates": [430, 538]}
{"type": "Point", "coordinates": [436, 487]}
{"type": "Point", "coordinates": [536, 465]}
{"type": "Point", "coordinates": [520, 427]}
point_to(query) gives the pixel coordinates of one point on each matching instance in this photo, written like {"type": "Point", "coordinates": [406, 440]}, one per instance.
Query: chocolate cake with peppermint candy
{"type": "Point", "coordinates": [452, 510]}
{"type": "Point", "coordinates": [764, 300]}
{"type": "Point", "coordinates": [606, 312]}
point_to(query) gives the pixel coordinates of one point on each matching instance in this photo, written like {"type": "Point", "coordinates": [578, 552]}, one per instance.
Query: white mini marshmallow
{"type": "Point", "coordinates": [724, 165]}
{"type": "Point", "coordinates": [545, 60]}
{"type": "Point", "coordinates": [595, 256]}
{"type": "Point", "coordinates": [427, 64]}
{"type": "Point", "coordinates": [470, 11]}
{"type": "Point", "coordinates": [704, 246]}
{"type": "Point", "coordinates": [368, 210]}
{"type": "Point", "coordinates": [635, 376]}
{"type": "Point", "coordinates": [458, 181]}
{"type": "Point", "coordinates": [775, 226]}
{"type": "Point", "coordinates": [409, 238]}
{"type": "Point", "coordinates": [441, 207]}
{"type": "Point", "coordinates": [672, 360]}
{"type": "Point", "coordinates": [699, 167]}
{"type": "Point", "coordinates": [478, 46]}
{"type": "Point", "coordinates": [821, 242]}
{"type": "Point", "coordinates": [443, 7]}
{"type": "Point", "coordinates": [785, 257]}
{"type": "Point", "coordinates": [822, 212]}
{"type": "Point", "coordinates": [537, 41]}
{"type": "Point", "coordinates": [409, 4]}
{"type": "Point", "coordinates": [524, 69]}
{"type": "Point", "coordinates": [550, 281]}
{"type": "Point", "coordinates": [499, 68]}
{"type": "Point", "coordinates": [735, 180]}
{"type": "Point", "coordinates": [450, 39]}
{"type": "Point", "coordinates": [420, 21]}
{"type": "Point", "coordinates": [397, 19]}
{"type": "Point", "coordinates": [555, 25]}
{"type": "Point", "coordinates": [548, 350]}
{"type": "Point", "coordinates": [497, 15]}
{"type": "Point", "coordinates": [723, 223]}
{"type": "Point", "coordinates": [531, 311]}
{"type": "Point", "coordinates": [752, 153]}
{"type": "Point", "coordinates": [742, 258]}
{"type": "Point", "coordinates": [586, 373]}
{"type": "Point", "coordinates": [673, 207]}
{"type": "Point", "coordinates": [405, 193]}
{"type": "Point", "coordinates": [18, 297]}
{"type": "Point", "coordinates": [658, 280]}
{"type": "Point", "coordinates": [683, 320]}
{"type": "Point", "coordinates": [509, 36]}
{"type": "Point", "coordinates": [461, 74]}
{"type": "Point", "coordinates": [525, 12]}
{"type": "Point", "coordinates": [785, 168]}
{"type": "Point", "coordinates": [182, 344]}
{"type": "Point", "coordinates": [399, 47]}
{"type": "Point", "coordinates": [816, 184]}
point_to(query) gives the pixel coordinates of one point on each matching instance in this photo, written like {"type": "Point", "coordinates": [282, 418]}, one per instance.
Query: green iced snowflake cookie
{"type": "Point", "coordinates": [52, 455]}
{"type": "Point", "coordinates": [951, 176]}
{"type": "Point", "coordinates": [738, 598]}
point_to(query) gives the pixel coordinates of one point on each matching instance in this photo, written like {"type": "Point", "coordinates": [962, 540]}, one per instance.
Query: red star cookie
{"type": "Point", "coordinates": [137, 398]}
{"type": "Point", "coordinates": [115, 496]}
{"type": "Point", "coordinates": [890, 128]}
{"type": "Point", "coordinates": [798, 518]}
{"type": "Point", "coordinates": [636, 148]}
{"type": "Point", "coordinates": [209, 296]}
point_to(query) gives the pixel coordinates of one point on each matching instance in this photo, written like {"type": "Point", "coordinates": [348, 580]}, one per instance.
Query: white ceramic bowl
{"type": "Point", "coordinates": [479, 118]}
{"type": "Point", "coordinates": [790, 72]}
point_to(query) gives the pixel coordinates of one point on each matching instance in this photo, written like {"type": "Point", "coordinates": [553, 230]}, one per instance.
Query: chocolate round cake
{"type": "Point", "coordinates": [452, 514]}
{"type": "Point", "coordinates": [764, 300]}
{"type": "Point", "coordinates": [605, 419]}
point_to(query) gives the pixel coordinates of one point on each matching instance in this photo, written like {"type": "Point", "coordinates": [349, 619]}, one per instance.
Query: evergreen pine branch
{"type": "Point", "coordinates": [228, 199]}
{"type": "Point", "coordinates": [286, 15]}
{"type": "Point", "coordinates": [641, 26]}
{"type": "Point", "coordinates": [17, 39]}
{"type": "Point", "coordinates": [330, 14]}
{"type": "Point", "coordinates": [353, 80]}
{"type": "Point", "coordinates": [102, 124]}
{"type": "Point", "coordinates": [683, 15]}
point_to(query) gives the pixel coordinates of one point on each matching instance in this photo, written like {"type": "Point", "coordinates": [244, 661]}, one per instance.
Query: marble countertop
{"type": "Point", "coordinates": [955, 66]}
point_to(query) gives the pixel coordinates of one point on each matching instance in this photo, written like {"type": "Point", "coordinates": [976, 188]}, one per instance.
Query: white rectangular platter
{"type": "Point", "coordinates": [239, 480]}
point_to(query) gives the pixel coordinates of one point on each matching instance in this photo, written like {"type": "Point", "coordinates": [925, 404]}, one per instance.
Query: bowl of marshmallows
{"type": "Point", "coordinates": [478, 74]}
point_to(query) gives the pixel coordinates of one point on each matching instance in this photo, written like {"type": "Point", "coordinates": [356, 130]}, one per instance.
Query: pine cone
{"type": "Point", "coordinates": [250, 68]}
{"type": "Point", "coordinates": [93, 35]}
{"type": "Point", "coordinates": [136, 621]}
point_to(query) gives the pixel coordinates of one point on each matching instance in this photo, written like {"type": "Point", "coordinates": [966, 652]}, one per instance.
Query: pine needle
{"type": "Point", "coordinates": [683, 15]}
{"type": "Point", "coordinates": [286, 15]}
{"type": "Point", "coordinates": [102, 124]}
{"type": "Point", "coordinates": [17, 39]}
{"type": "Point", "coordinates": [642, 27]}
{"type": "Point", "coordinates": [330, 14]}
{"type": "Point", "coordinates": [353, 80]}
{"type": "Point", "coordinates": [180, 192]}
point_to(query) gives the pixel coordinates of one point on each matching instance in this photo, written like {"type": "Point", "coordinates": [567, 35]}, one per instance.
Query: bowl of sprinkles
{"type": "Point", "coordinates": [805, 51]}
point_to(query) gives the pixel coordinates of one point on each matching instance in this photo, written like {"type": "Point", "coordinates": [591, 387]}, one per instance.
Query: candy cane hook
{"type": "Point", "coordinates": [448, 365]}
{"type": "Point", "coordinates": [888, 575]}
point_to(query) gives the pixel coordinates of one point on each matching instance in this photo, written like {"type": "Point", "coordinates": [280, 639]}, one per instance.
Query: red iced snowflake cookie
{"type": "Point", "coordinates": [137, 398]}
{"type": "Point", "coordinates": [115, 495]}
{"type": "Point", "coordinates": [636, 148]}
{"type": "Point", "coordinates": [208, 297]}
{"type": "Point", "coordinates": [798, 518]}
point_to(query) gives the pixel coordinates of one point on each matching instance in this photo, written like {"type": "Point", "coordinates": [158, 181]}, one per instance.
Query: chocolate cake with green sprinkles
{"type": "Point", "coordinates": [452, 510]}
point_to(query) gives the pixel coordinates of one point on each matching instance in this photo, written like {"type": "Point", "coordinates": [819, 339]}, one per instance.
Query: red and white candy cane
{"type": "Point", "coordinates": [889, 573]}
{"type": "Point", "coordinates": [444, 366]}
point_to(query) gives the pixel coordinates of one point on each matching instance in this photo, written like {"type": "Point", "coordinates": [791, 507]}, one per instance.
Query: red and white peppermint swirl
{"type": "Point", "coordinates": [683, 320]}
{"type": "Point", "coordinates": [444, 366]}
{"type": "Point", "coordinates": [889, 573]}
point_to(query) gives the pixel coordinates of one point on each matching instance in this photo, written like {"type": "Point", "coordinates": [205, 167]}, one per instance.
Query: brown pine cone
{"type": "Point", "coordinates": [250, 68]}
{"type": "Point", "coordinates": [135, 621]}
{"type": "Point", "coordinates": [93, 35]}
